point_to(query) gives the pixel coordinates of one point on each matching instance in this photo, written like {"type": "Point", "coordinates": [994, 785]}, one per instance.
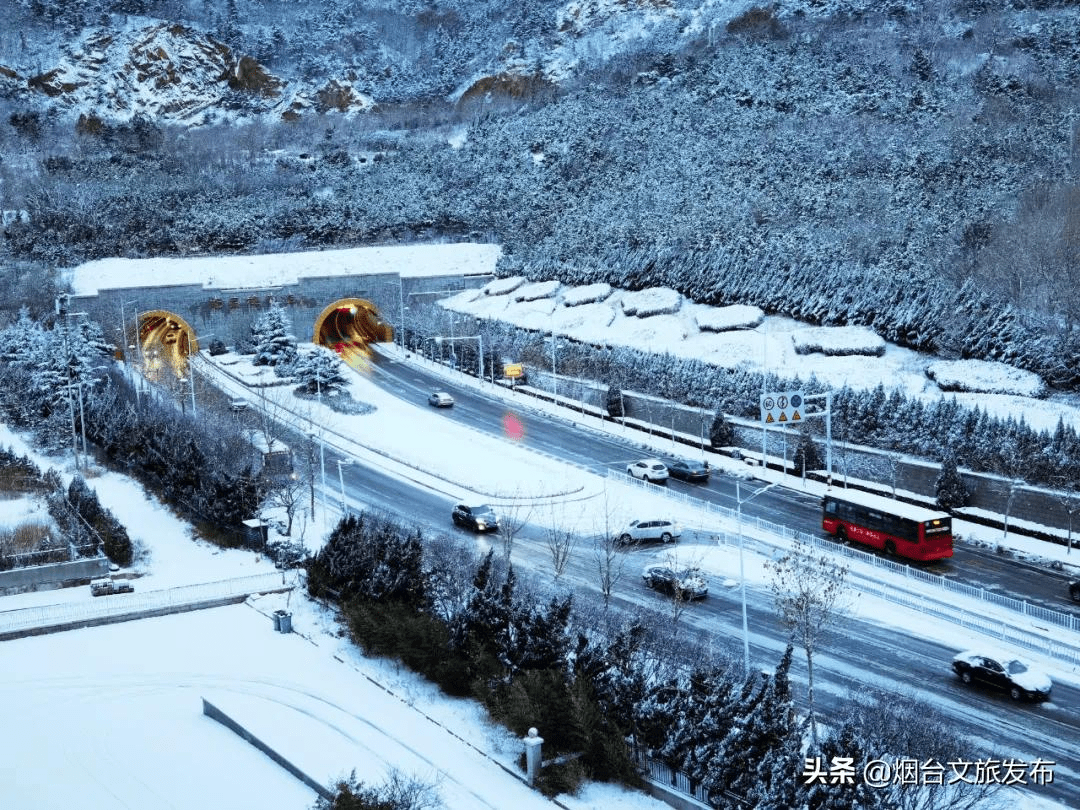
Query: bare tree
{"type": "Point", "coordinates": [1069, 498]}
{"type": "Point", "coordinates": [607, 550]}
{"type": "Point", "coordinates": [512, 519]}
{"type": "Point", "coordinates": [561, 541]}
{"type": "Point", "coordinates": [680, 601]}
{"type": "Point", "coordinates": [809, 592]}
{"type": "Point", "coordinates": [287, 492]}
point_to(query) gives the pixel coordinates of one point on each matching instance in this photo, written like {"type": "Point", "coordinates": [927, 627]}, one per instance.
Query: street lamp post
{"type": "Point", "coordinates": [341, 480]}
{"type": "Point", "coordinates": [123, 330]}
{"type": "Point", "coordinates": [742, 571]}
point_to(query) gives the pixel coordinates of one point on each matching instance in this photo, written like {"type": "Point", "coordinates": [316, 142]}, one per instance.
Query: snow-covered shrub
{"type": "Point", "coordinates": [588, 294]}
{"type": "Point", "coordinates": [535, 291]}
{"type": "Point", "coordinates": [724, 319]}
{"type": "Point", "coordinates": [320, 371]}
{"type": "Point", "coordinates": [272, 335]}
{"type": "Point", "coordinates": [652, 301]}
{"type": "Point", "coordinates": [982, 376]}
{"type": "Point", "coordinates": [838, 340]}
{"type": "Point", "coordinates": [502, 286]}
{"type": "Point", "coordinates": [217, 347]}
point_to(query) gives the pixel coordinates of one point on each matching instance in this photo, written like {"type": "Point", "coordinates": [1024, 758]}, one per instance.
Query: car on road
{"type": "Point", "coordinates": [686, 470]}
{"type": "Point", "coordinates": [441, 399]}
{"type": "Point", "coordinates": [1074, 590]}
{"type": "Point", "coordinates": [637, 531]}
{"type": "Point", "coordinates": [110, 586]}
{"type": "Point", "coordinates": [1004, 671]}
{"type": "Point", "coordinates": [681, 583]}
{"type": "Point", "coordinates": [478, 518]}
{"type": "Point", "coordinates": [238, 404]}
{"type": "Point", "coordinates": [649, 470]}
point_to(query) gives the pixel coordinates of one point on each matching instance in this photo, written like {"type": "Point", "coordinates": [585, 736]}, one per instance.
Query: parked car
{"type": "Point", "coordinates": [238, 404]}
{"type": "Point", "coordinates": [477, 518]}
{"type": "Point", "coordinates": [110, 586]}
{"type": "Point", "coordinates": [687, 470]}
{"type": "Point", "coordinates": [685, 583]}
{"type": "Point", "coordinates": [441, 399]}
{"type": "Point", "coordinates": [1004, 671]}
{"type": "Point", "coordinates": [648, 470]}
{"type": "Point", "coordinates": [1074, 590]}
{"type": "Point", "coordinates": [667, 531]}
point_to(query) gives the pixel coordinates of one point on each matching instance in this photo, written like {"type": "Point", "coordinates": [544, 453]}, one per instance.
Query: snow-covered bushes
{"type": "Point", "coordinates": [587, 294]}
{"type": "Point", "coordinates": [838, 340]}
{"type": "Point", "coordinates": [981, 376]}
{"type": "Point", "coordinates": [534, 291]}
{"type": "Point", "coordinates": [502, 286]}
{"type": "Point", "coordinates": [724, 319]}
{"type": "Point", "coordinates": [652, 301]}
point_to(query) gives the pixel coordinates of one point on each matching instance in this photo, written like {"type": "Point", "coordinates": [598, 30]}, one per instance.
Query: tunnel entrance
{"type": "Point", "coordinates": [165, 341]}
{"type": "Point", "coordinates": [347, 326]}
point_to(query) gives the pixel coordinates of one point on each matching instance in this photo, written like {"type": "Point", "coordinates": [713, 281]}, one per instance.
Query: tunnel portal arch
{"type": "Point", "coordinates": [165, 340]}
{"type": "Point", "coordinates": [348, 325]}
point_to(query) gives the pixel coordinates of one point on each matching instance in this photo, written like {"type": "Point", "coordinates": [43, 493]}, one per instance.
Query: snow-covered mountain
{"type": "Point", "coordinates": [167, 72]}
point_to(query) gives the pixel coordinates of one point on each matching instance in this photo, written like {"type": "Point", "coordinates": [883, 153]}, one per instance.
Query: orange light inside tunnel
{"type": "Point", "coordinates": [348, 329]}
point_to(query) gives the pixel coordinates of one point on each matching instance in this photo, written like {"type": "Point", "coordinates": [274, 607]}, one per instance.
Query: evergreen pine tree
{"type": "Point", "coordinates": [613, 402]}
{"type": "Point", "coordinates": [949, 488]}
{"type": "Point", "coordinates": [807, 453]}
{"type": "Point", "coordinates": [721, 433]}
{"type": "Point", "coordinates": [320, 371]}
{"type": "Point", "coordinates": [272, 337]}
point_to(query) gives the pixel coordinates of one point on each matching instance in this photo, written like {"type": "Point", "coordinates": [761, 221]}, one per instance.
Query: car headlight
{"type": "Point", "coordinates": [481, 524]}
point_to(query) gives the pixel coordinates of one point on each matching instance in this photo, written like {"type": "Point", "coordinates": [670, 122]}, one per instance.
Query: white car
{"type": "Point", "coordinates": [682, 583]}
{"type": "Point", "coordinates": [441, 399]}
{"type": "Point", "coordinates": [649, 470]}
{"type": "Point", "coordinates": [666, 531]}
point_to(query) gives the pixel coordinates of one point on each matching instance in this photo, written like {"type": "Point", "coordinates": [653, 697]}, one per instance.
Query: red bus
{"type": "Point", "coordinates": [894, 527]}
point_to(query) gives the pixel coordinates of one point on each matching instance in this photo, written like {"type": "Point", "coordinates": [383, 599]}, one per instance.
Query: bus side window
{"type": "Point", "coordinates": [830, 507]}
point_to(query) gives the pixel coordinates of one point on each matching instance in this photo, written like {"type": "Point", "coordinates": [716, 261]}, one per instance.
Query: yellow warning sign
{"type": "Point", "coordinates": [795, 417]}
{"type": "Point", "coordinates": [768, 419]}
{"type": "Point", "coordinates": [783, 417]}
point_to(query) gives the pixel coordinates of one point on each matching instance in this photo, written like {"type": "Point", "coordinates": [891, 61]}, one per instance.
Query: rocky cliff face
{"type": "Point", "coordinates": [166, 72]}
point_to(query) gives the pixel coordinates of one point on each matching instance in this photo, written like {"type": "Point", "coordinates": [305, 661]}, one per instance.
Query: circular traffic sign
{"type": "Point", "coordinates": [768, 403]}
{"type": "Point", "coordinates": [781, 402]}
{"type": "Point", "coordinates": [796, 401]}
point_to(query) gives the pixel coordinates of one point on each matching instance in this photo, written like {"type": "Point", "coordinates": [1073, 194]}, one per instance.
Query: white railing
{"type": "Point", "coordinates": [105, 607]}
{"type": "Point", "coordinates": [1002, 628]}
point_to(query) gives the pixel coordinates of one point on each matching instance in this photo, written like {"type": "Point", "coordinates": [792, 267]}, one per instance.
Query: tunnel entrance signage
{"type": "Point", "coordinates": [784, 408]}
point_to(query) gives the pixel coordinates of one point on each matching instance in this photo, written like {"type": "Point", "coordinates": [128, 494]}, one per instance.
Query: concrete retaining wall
{"type": "Point", "coordinates": [54, 575]}
{"type": "Point", "coordinates": [214, 713]}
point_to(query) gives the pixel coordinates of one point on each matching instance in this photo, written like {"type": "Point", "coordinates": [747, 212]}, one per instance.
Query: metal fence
{"type": "Point", "coordinates": [661, 773]}
{"type": "Point", "coordinates": [938, 606]}
{"type": "Point", "coordinates": [105, 607]}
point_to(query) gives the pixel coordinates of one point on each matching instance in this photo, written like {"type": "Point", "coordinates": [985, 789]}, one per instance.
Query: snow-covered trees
{"type": "Point", "coordinates": [950, 491]}
{"type": "Point", "coordinates": [271, 334]}
{"type": "Point", "coordinates": [721, 433]}
{"type": "Point", "coordinates": [807, 454]}
{"type": "Point", "coordinates": [808, 590]}
{"type": "Point", "coordinates": [319, 371]}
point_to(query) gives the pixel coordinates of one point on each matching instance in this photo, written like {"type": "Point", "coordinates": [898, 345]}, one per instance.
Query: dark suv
{"type": "Point", "coordinates": [1074, 590]}
{"type": "Point", "coordinates": [477, 518]}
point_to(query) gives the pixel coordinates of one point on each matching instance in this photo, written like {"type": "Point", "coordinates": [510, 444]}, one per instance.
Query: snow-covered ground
{"type": "Point", "coordinates": [121, 714]}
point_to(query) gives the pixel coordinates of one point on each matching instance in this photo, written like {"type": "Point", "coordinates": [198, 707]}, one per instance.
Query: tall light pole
{"type": "Point", "coordinates": [341, 480]}
{"type": "Point", "coordinates": [742, 571]}
{"type": "Point", "coordinates": [554, 375]}
{"type": "Point", "coordinates": [123, 330]}
{"type": "Point", "coordinates": [401, 307]}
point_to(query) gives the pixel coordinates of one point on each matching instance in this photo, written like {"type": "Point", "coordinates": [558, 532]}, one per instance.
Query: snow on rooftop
{"type": "Point", "coordinates": [887, 505]}
{"type": "Point", "coordinates": [274, 269]}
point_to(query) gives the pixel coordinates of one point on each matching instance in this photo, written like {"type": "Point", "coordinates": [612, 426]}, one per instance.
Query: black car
{"type": "Point", "coordinates": [477, 518]}
{"type": "Point", "coordinates": [1074, 590]}
{"type": "Point", "coordinates": [686, 583]}
{"type": "Point", "coordinates": [1000, 670]}
{"type": "Point", "coordinates": [687, 470]}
